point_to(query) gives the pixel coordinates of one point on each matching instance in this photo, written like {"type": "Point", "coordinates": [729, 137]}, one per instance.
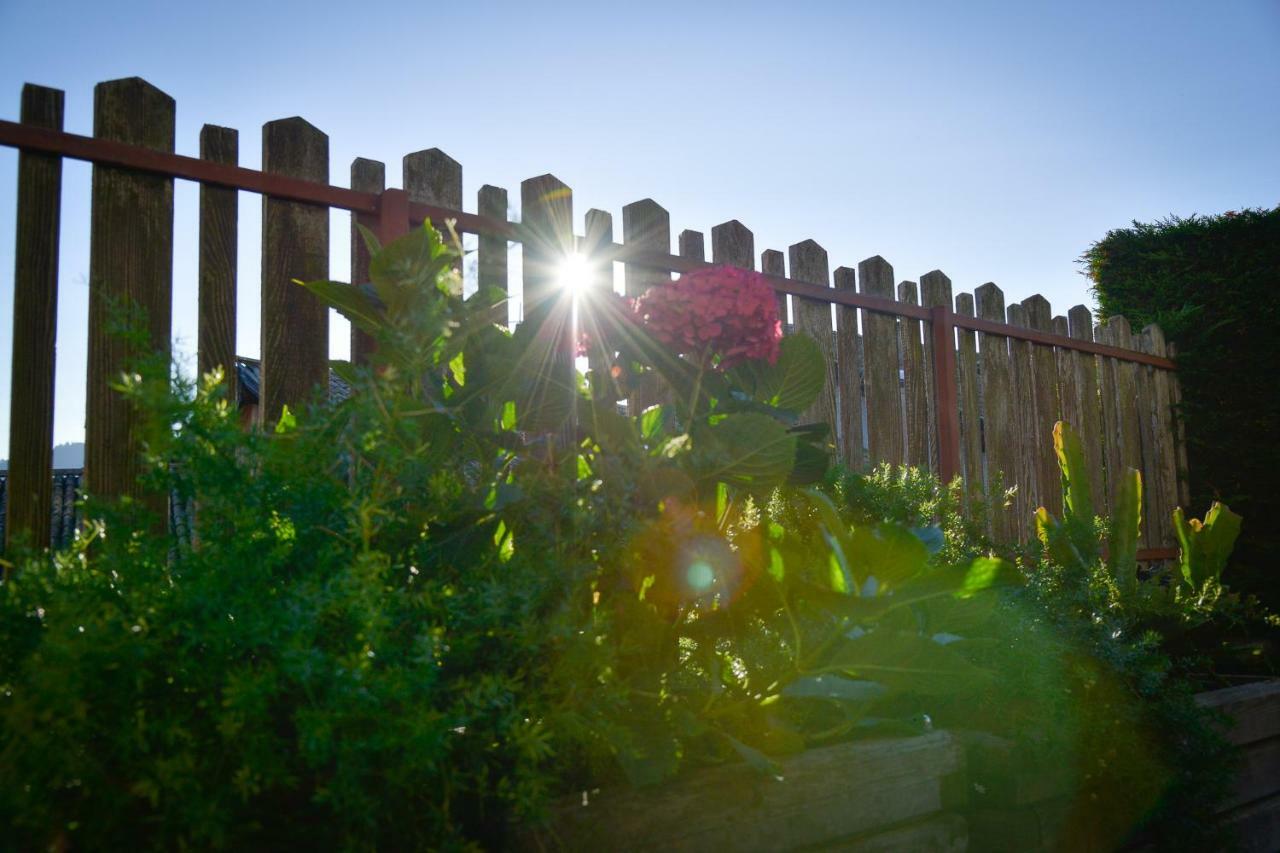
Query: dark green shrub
{"type": "Point", "coordinates": [1211, 282]}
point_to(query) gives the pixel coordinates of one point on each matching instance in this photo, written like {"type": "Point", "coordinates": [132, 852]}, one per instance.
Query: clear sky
{"type": "Point", "coordinates": [994, 141]}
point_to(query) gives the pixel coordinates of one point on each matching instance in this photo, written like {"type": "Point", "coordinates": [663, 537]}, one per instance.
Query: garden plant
{"type": "Point", "coordinates": [417, 618]}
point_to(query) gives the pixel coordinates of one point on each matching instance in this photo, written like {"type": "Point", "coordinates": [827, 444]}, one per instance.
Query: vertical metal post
{"type": "Point", "coordinates": [393, 215]}
{"type": "Point", "coordinates": [945, 394]}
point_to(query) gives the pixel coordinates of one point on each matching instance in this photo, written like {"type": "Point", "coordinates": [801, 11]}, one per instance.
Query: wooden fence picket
{"type": "Point", "coordinates": [915, 385]}
{"type": "Point", "coordinates": [546, 215]}
{"type": "Point", "coordinates": [1084, 368]}
{"type": "Point", "coordinates": [935, 291]}
{"type": "Point", "coordinates": [808, 262]}
{"type": "Point", "coordinates": [1022, 394]}
{"type": "Point", "coordinates": [29, 505]}
{"type": "Point", "coordinates": [999, 415]}
{"type": "Point", "coordinates": [885, 431]}
{"type": "Point", "coordinates": [1159, 454]}
{"type": "Point", "coordinates": [692, 245]}
{"type": "Point", "coordinates": [1048, 407]}
{"type": "Point", "coordinates": [368, 176]}
{"type": "Point", "coordinates": [849, 374]}
{"type": "Point", "coordinates": [1120, 403]}
{"type": "Point", "coordinates": [646, 226]}
{"type": "Point", "coordinates": [219, 230]}
{"type": "Point", "coordinates": [130, 268]}
{"type": "Point", "coordinates": [733, 243]}
{"type": "Point", "coordinates": [968, 395]}
{"type": "Point", "coordinates": [491, 250]}
{"type": "Point", "coordinates": [772, 263]}
{"type": "Point", "coordinates": [295, 245]}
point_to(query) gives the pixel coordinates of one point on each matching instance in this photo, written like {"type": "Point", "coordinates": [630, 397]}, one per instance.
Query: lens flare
{"type": "Point", "coordinates": [574, 274]}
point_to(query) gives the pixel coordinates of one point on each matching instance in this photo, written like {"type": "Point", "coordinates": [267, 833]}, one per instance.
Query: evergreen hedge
{"type": "Point", "coordinates": [1213, 285]}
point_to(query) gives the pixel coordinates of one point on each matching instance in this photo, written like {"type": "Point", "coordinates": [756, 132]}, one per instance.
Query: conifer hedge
{"type": "Point", "coordinates": [1213, 285]}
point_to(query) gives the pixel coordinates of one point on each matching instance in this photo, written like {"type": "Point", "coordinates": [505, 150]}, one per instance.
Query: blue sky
{"type": "Point", "coordinates": [994, 141]}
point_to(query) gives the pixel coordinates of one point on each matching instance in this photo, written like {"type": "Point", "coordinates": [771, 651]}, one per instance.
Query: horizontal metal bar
{"type": "Point", "coordinates": [1047, 339]}
{"type": "Point", "coordinates": [124, 156]}
{"type": "Point", "coordinates": [109, 153]}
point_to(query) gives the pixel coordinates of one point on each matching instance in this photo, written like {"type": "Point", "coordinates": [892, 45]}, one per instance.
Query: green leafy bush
{"type": "Point", "coordinates": [1211, 283]}
{"type": "Point", "coordinates": [410, 620]}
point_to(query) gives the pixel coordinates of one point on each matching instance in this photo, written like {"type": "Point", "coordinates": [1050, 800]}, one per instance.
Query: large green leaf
{"type": "Point", "coordinates": [1126, 526]}
{"type": "Point", "coordinates": [1206, 546]}
{"type": "Point", "coordinates": [906, 661]}
{"type": "Point", "coordinates": [752, 451]}
{"type": "Point", "coordinates": [889, 552]}
{"type": "Point", "coordinates": [351, 302]}
{"type": "Point", "coordinates": [795, 380]}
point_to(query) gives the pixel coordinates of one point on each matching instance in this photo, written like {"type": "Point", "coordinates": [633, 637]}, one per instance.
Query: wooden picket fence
{"type": "Point", "coordinates": [963, 385]}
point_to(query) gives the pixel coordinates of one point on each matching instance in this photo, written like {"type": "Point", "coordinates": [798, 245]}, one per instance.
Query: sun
{"type": "Point", "coordinates": [574, 274]}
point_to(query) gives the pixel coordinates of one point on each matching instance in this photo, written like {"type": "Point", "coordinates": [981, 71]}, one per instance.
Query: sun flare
{"type": "Point", "coordinates": [574, 274]}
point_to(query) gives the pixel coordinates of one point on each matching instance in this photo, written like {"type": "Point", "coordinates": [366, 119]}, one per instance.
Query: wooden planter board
{"type": "Point", "coordinates": [1253, 808]}
{"type": "Point", "coordinates": [866, 796]}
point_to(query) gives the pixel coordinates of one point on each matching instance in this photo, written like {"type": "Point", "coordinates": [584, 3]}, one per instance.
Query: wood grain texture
{"type": "Point", "coordinates": [433, 177]}
{"type": "Point", "coordinates": [491, 250]}
{"type": "Point", "coordinates": [732, 243]}
{"type": "Point", "coordinates": [1084, 367]}
{"type": "Point", "coordinates": [368, 176]}
{"type": "Point", "coordinates": [998, 415]}
{"type": "Point", "coordinates": [886, 438]}
{"type": "Point", "coordinates": [1159, 458]}
{"type": "Point", "coordinates": [915, 385]}
{"type": "Point", "coordinates": [29, 487]}
{"type": "Point", "coordinates": [1021, 383]}
{"type": "Point", "coordinates": [971, 455]}
{"type": "Point", "coordinates": [935, 290]}
{"type": "Point", "coordinates": [849, 371]}
{"type": "Point", "coordinates": [295, 245]}
{"type": "Point", "coordinates": [599, 233]}
{"type": "Point", "coordinates": [808, 263]}
{"type": "Point", "coordinates": [219, 230]}
{"type": "Point", "coordinates": [130, 268]}
{"type": "Point", "coordinates": [1048, 407]}
{"type": "Point", "coordinates": [692, 245]}
{"type": "Point", "coordinates": [647, 226]}
{"type": "Point", "coordinates": [546, 208]}
{"type": "Point", "coordinates": [1122, 406]}
{"type": "Point", "coordinates": [772, 263]}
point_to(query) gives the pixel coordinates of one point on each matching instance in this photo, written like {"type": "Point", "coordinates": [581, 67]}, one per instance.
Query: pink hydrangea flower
{"type": "Point", "coordinates": [725, 312]}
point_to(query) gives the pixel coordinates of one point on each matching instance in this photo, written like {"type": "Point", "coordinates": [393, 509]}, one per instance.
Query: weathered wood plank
{"type": "Point", "coordinates": [1155, 503]}
{"type": "Point", "coordinates": [916, 390]}
{"type": "Point", "coordinates": [935, 290]}
{"type": "Point", "coordinates": [1084, 368]}
{"type": "Point", "coordinates": [692, 245]}
{"type": "Point", "coordinates": [1254, 710]}
{"type": "Point", "coordinates": [29, 502]}
{"type": "Point", "coordinates": [368, 176]}
{"type": "Point", "coordinates": [998, 414]}
{"type": "Point", "coordinates": [772, 263]}
{"type": "Point", "coordinates": [491, 250]}
{"type": "Point", "coordinates": [808, 262]}
{"type": "Point", "coordinates": [732, 243]}
{"type": "Point", "coordinates": [647, 226]}
{"type": "Point", "coordinates": [849, 371]}
{"type": "Point", "coordinates": [886, 436]}
{"type": "Point", "coordinates": [599, 233]}
{"type": "Point", "coordinates": [1022, 385]}
{"type": "Point", "coordinates": [1164, 433]}
{"type": "Point", "coordinates": [433, 177]}
{"type": "Point", "coordinates": [1258, 774]}
{"type": "Point", "coordinates": [971, 455]}
{"type": "Point", "coordinates": [295, 245]}
{"type": "Point", "coordinates": [546, 211]}
{"type": "Point", "coordinates": [1121, 403]}
{"type": "Point", "coordinates": [1256, 826]}
{"type": "Point", "coordinates": [823, 796]}
{"type": "Point", "coordinates": [940, 833]}
{"type": "Point", "coordinates": [1048, 407]}
{"type": "Point", "coordinates": [219, 230]}
{"type": "Point", "coordinates": [130, 268]}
